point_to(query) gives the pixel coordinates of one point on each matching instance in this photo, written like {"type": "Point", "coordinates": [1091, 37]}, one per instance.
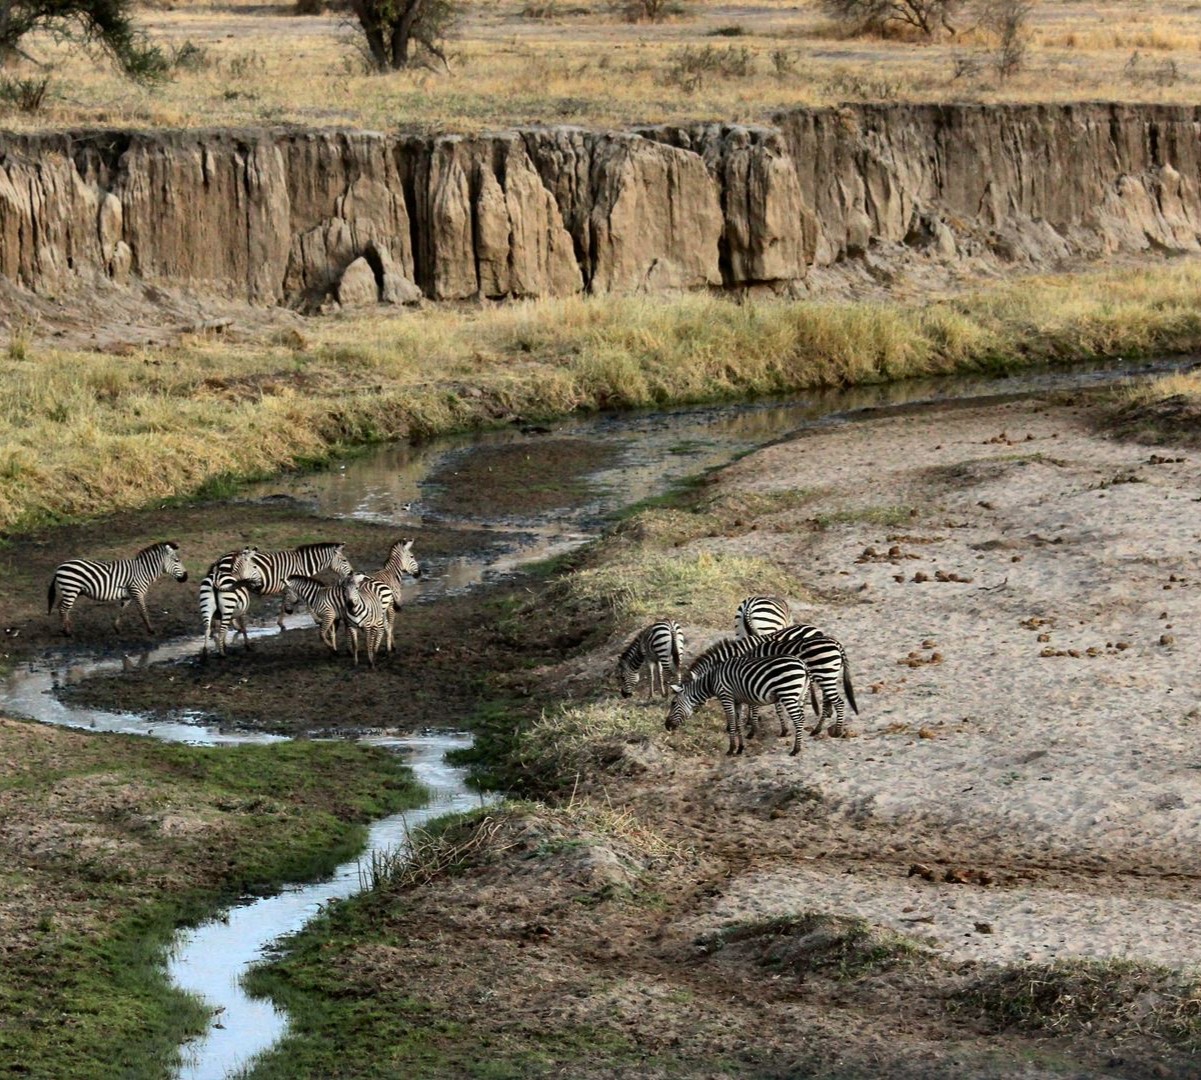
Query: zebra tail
{"type": "Point", "coordinates": [846, 680]}
{"type": "Point", "coordinates": [675, 653]}
{"type": "Point", "coordinates": [50, 595]}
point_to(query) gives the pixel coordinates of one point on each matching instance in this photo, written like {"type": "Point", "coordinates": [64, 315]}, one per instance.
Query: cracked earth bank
{"type": "Point", "coordinates": [1019, 598]}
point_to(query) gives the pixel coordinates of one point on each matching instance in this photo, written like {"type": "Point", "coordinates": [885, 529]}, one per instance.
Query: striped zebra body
{"type": "Point", "coordinates": [126, 580]}
{"type": "Point", "coordinates": [225, 598]}
{"type": "Point", "coordinates": [325, 604]}
{"type": "Point", "coordinates": [401, 561]}
{"type": "Point", "coordinates": [828, 667]}
{"type": "Point", "coordinates": [276, 567]}
{"type": "Point", "coordinates": [761, 615]}
{"type": "Point", "coordinates": [747, 680]}
{"type": "Point", "coordinates": [366, 602]}
{"type": "Point", "coordinates": [659, 647]}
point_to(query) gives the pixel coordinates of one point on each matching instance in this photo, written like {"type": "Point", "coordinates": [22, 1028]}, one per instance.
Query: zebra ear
{"type": "Point", "coordinates": [409, 545]}
{"type": "Point", "coordinates": [676, 688]}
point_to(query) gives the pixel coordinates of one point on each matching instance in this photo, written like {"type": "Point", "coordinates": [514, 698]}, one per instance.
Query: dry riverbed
{"type": "Point", "coordinates": [994, 876]}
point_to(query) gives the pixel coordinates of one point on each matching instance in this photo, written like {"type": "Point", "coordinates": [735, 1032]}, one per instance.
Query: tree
{"type": "Point", "coordinates": [104, 23]}
{"type": "Point", "coordinates": [396, 31]}
{"type": "Point", "coordinates": [877, 15]}
{"type": "Point", "coordinates": [1008, 20]}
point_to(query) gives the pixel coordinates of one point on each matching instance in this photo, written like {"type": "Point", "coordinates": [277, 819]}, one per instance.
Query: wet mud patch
{"type": "Point", "coordinates": [517, 480]}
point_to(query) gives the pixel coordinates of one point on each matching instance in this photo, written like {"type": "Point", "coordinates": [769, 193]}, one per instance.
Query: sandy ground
{"type": "Point", "coordinates": [1041, 714]}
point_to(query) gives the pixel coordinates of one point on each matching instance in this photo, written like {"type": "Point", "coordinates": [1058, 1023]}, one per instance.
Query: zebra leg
{"type": "Point", "coordinates": [280, 621]}
{"type": "Point", "coordinates": [354, 643]}
{"type": "Point", "coordinates": [796, 710]}
{"type": "Point", "coordinates": [819, 712]}
{"type": "Point", "coordinates": [140, 600]}
{"type": "Point", "coordinates": [390, 617]}
{"type": "Point", "coordinates": [733, 729]}
{"type": "Point", "coordinates": [782, 716]}
{"type": "Point", "coordinates": [837, 729]}
{"type": "Point", "coordinates": [752, 720]}
{"type": "Point", "coordinates": [240, 627]}
{"type": "Point", "coordinates": [65, 604]}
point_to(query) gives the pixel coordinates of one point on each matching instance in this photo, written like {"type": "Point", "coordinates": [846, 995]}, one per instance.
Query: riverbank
{"type": "Point", "coordinates": [86, 433]}
{"type": "Point", "coordinates": [995, 873]}
{"type": "Point", "coordinates": [111, 843]}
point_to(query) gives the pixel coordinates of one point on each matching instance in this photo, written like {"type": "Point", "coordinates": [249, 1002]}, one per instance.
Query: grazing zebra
{"type": "Point", "coordinates": [123, 579]}
{"type": "Point", "coordinates": [825, 657]}
{"type": "Point", "coordinates": [760, 615]}
{"type": "Point", "coordinates": [225, 597]}
{"type": "Point", "coordinates": [659, 646]}
{"type": "Point", "coordinates": [365, 602]}
{"type": "Point", "coordinates": [828, 666]}
{"type": "Point", "coordinates": [325, 604]}
{"type": "Point", "coordinates": [308, 559]}
{"type": "Point", "coordinates": [400, 561]}
{"type": "Point", "coordinates": [747, 680]}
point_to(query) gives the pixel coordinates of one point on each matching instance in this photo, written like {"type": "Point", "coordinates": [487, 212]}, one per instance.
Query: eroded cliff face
{"type": "Point", "coordinates": [279, 217]}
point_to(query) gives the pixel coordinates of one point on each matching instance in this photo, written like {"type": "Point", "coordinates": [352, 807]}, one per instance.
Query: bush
{"type": "Point", "coordinates": [880, 16]}
{"type": "Point", "coordinates": [26, 95]}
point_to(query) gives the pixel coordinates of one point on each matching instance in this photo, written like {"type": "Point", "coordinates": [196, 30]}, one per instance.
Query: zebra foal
{"type": "Point", "coordinates": [761, 615]}
{"type": "Point", "coordinates": [275, 567]}
{"type": "Point", "coordinates": [126, 580]}
{"type": "Point", "coordinates": [747, 680]}
{"type": "Point", "coordinates": [325, 604]}
{"type": "Point", "coordinates": [659, 647]}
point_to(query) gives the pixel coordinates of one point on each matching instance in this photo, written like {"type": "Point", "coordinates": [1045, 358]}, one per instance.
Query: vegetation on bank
{"type": "Point", "coordinates": [1167, 409]}
{"type": "Point", "coordinates": [111, 843]}
{"type": "Point", "coordinates": [86, 433]}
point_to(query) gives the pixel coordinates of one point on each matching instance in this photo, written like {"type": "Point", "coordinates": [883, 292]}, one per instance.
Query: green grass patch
{"type": "Point", "coordinates": [132, 839]}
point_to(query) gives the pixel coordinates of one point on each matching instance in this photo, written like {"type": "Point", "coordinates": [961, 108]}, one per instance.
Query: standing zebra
{"type": "Point", "coordinates": [225, 597]}
{"type": "Point", "coordinates": [123, 579]}
{"type": "Point", "coordinates": [365, 602]}
{"type": "Point", "coordinates": [761, 615]}
{"type": "Point", "coordinates": [325, 604]}
{"type": "Point", "coordinates": [746, 680]}
{"type": "Point", "coordinates": [659, 646]}
{"type": "Point", "coordinates": [400, 561]}
{"type": "Point", "coordinates": [276, 567]}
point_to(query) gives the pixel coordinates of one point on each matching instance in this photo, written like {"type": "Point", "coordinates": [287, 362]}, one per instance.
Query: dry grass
{"type": "Point", "coordinates": [82, 433]}
{"type": "Point", "coordinates": [241, 63]}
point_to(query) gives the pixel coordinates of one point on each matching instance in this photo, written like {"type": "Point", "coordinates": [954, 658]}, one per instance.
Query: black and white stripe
{"type": "Point", "coordinates": [366, 602]}
{"type": "Point", "coordinates": [761, 615]}
{"type": "Point", "coordinates": [660, 646]}
{"type": "Point", "coordinates": [325, 604]}
{"type": "Point", "coordinates": [276, 567]}
{"type": "Point", "coordinates": [125, 580]}
{"type": "Point", "coordinates": [747, 680]}
{"type": "Point", "coordinates": [225, 597]}
{"type": "Point", "coordinates": [400, 561]}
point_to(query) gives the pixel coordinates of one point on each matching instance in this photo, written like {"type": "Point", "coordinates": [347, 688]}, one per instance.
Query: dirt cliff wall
{"type": "Point", "coordinates": [277, 217]}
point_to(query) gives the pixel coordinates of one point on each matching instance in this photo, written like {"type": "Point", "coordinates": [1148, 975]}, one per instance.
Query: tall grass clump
{"type": "Point", "coordinates": [86, 433]}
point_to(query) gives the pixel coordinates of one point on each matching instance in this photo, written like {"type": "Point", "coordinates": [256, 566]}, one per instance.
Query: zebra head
{"type": "Point", "coordinates": [681, 708]}
{"type": "Point", "coordinates": [402, 553]}
{"type": "Point", "coordinates": [349, 585]}
{"type": "Point", "coordinates": [246, 568]}
{"type": "Point", "coordinates": [292, 597]}
{"type": "Point", "coordinates": [172, 563]}
{"type": "Point", "coordinates": [339, 563]}
{"type": "Point", "coordinates": [628, 677]}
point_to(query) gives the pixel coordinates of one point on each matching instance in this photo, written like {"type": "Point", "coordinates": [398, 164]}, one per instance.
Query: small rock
{"type": "Point", "coordinates": [955, 877]}
{"type": "Point", "coordinates": [921, 870]}
{"type": "Point", "coordinates": [926, 733]}
{"type": "Point", "coordinates": [920, 576]}
{"type": "Point", "coordinates": [983, 927]}
{"type": "Point", "coordinates": [1167, 639]}
{"type": "Point", "coordinates": [358, 287]}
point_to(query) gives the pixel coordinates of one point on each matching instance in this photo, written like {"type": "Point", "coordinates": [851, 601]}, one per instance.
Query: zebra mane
{"type": "Point", "coordinates": [326, 546]}
{"type": "Point", "coordinates": [632, 655]}
{"type": "Point", "coordinates": [717, 652]}
{"type": "Point", "coordinates": [161, 548]}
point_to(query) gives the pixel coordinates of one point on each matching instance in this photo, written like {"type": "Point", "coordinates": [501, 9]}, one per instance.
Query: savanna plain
{"type": "Point", "coordinates": [993, 874]}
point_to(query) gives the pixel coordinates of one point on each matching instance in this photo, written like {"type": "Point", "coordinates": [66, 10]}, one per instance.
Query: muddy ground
{"type": "Point", "coordinates": [1021, 787]}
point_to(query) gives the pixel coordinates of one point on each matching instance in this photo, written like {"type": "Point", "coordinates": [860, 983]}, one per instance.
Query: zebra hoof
{"type": "Point", "coordinates": [794, 751]}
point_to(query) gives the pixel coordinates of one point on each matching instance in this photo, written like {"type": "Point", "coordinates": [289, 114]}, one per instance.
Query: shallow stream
{"type": "Point", "coordinates": [538, 492]}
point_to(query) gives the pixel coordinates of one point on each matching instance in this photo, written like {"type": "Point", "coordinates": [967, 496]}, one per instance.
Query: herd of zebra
{"type": "Point", "coordinates": [366, 602]}
{"type": "Point", "coordinates": [769, 661]}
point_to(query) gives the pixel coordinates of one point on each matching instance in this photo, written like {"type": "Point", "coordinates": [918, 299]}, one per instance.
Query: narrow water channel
{"type": "Point", "coordinates": [625, 458]}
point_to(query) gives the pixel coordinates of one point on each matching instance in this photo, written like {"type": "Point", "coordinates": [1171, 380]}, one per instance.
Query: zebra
{"type": "Point", "coordinates": [122, 579]}
{"type": "Point", "coordinates": [225, 597]}
{"type": "Point", "coordinates": [760, 615]}
{"type": "Point", "coordinates": [746, 680]}
{"type": "Point", "coordinates": [276, 567]}
{"type": "Point", "coordinates": [365, 602]}
{"type": "Point", "coordinates": [400, 561]}
{"type": "Point", "coordinates": [659, 646]}
{"type": "Point", "coordinates": [825, 657]}
{"type": "Point", "coordinates": [325, 604]}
